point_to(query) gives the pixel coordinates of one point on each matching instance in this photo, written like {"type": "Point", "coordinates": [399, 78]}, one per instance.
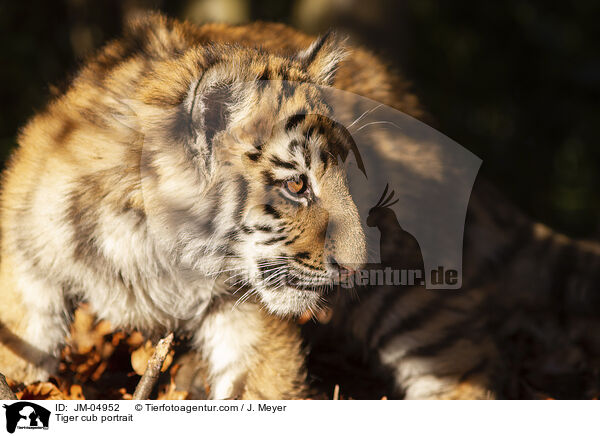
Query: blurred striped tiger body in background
{"type": "Point", "coordinates": [525, 317]}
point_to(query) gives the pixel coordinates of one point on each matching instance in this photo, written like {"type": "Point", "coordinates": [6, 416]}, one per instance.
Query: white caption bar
{"type": "Point", "coordinates": [301, 417]}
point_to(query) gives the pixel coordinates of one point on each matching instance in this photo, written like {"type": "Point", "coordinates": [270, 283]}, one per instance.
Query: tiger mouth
{"type": "Point", "coordinates": [301, 282]}
{"type": "Point", "coordinates": [302, 285]}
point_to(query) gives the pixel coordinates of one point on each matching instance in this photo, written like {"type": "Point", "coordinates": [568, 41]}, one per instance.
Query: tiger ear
{"type": "Point", "coordinates": [321, 59]}
{"type": "Point", "coordinates": [210, 105]}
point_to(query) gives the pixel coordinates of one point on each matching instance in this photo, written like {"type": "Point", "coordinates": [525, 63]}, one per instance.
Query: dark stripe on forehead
{"type": "Point", "coordinates": [269, 178]}
{"type": "Point", "coordinates": [280, 163]}
{"type": "Point", "coordinates": [307, 157]}
{"type": "Point", "coordinates": [254, 157]}
{"type": "Point", "coordinates": [315, 128]}
{"type": "Point", "coordinates": [294, 121]}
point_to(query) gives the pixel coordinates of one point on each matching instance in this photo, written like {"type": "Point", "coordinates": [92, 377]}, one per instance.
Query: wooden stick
{"type": "Point", "coordinates": [336, 392]}
{"type": "Point", "coordinates": [155, 363]}
{"type": "Point", "coordinates": [6, 392]}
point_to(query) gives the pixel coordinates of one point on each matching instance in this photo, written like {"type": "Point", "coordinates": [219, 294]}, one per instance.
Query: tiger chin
{"type": "Point", "coordinates": [178, 186]}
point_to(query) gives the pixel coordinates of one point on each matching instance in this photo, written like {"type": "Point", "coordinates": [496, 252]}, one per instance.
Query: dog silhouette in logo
{"type": "Point", "coordinates": [26, 414]}
{"type": "Point", "coordinates": [398, 249]}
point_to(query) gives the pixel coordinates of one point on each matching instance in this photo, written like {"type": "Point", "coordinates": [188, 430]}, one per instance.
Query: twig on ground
{"type": "Point", "coordinates": [6, 392]}
{"type": "Point", "coordinates": [336, 392]}
{"type": "Point", "coordinates": [155, 363]}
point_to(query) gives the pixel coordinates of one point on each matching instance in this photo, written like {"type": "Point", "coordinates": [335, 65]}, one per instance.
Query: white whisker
{"type": "Point", "coordinates": [365, 113]}
{"type": "Point", "coordinates": [376, 122]}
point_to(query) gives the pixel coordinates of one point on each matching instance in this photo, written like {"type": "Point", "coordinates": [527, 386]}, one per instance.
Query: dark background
{"type": "Point", "coordinates": [516, 82]}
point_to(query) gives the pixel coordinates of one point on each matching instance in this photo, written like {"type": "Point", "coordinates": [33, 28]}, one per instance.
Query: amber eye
{"type": "Point", "coordinates": [296, 186]}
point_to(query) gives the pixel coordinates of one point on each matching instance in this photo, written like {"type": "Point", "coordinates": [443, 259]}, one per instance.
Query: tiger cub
{"type": "Point", "coordinates": [162, 173]}
{"type": "Point", "coordinates": [144, 191]}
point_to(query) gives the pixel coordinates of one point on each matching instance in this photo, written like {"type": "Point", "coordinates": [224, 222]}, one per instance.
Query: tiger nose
{"type": "Point", "coordinates": [341, 271]}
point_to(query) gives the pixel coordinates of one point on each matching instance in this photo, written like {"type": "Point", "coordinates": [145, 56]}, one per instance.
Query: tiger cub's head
{"type": "Point", "coordinates": [264, 170]}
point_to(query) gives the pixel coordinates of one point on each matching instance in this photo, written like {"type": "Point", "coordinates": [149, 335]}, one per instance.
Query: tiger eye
{"type": "Point", "coordinates": [295, 186]}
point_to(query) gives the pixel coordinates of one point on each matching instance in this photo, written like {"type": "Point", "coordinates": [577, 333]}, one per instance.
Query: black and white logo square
{"type": "Point", "coordinates": [26, 415]}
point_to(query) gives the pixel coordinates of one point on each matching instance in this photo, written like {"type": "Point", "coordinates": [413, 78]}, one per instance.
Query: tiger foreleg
{"type": "Point", "coordinates": [250, 354]}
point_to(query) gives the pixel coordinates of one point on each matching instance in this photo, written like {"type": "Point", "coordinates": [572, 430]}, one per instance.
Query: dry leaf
{"type": "Point", "coordinates": [76, 393]}
{"type": "Point", "coordinates": [135, 340]}
{"type": "Point", "coordinates": [140, 357]}
{"type": "Point", "coordinates": [124, 394]}
{"type": "Point", "coordinates": [99, 371]}
{"type": "Point", "coordinates": [85, 334]}
{"type": "Point", "coordinates": [41, 391]}
{"type": "Point", "coordinates": [169, 392]}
